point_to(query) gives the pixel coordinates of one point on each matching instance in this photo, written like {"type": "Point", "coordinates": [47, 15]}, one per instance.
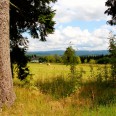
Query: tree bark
{"type": "Point", "coordinates": [7, 95]}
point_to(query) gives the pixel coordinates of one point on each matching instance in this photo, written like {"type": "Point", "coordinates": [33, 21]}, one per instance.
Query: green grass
{"type": "Point", "coordinates": [52, 92]}
{"type": "Point", "coordinates": [43, 71]}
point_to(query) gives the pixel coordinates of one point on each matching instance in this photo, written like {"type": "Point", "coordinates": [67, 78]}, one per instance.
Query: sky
{"type": "Point", "coordinates": [79, 23]}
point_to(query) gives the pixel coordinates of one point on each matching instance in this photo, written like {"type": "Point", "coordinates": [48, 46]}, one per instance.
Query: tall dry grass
{"type": "Point", "coordinates": [51, 91]}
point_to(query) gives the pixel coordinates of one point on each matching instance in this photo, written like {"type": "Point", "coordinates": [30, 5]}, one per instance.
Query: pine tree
{"type": "Point", "coordinates": [34, 17]}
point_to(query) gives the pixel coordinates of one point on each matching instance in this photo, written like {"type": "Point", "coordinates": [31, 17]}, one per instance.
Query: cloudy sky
{"type": "Point", "coordinates": [80, 23]}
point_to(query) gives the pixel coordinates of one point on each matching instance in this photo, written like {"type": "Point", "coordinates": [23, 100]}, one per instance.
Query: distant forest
{"type": "Point", "coordinates": [92, 57]}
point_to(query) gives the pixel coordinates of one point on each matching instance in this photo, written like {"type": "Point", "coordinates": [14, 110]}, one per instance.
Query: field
{"type": "Point", "coordinates": [43, 71]}
{"type": "Point", "coordinates": [51, 91]}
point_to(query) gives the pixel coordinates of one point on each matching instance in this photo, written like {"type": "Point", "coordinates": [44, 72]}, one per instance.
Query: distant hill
{"type": "Point", "coordinates": [61, 52]}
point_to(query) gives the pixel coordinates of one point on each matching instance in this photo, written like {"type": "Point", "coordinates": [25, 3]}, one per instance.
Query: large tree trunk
{"type": "Point", "coordinates": [7, 95]}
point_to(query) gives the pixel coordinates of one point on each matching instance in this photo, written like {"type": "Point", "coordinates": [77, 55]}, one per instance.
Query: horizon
{"type": "Point", "coordinates": [64, 50]}
{"type": "Point", "coordinates": [61, 52]}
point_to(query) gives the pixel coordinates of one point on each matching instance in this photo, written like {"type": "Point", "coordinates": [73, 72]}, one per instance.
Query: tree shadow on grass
{"type": "Point", "coordinates": [90, 93]}
{"type": "Point", "coordinates": [58, 87]}
{"type": "Point", "coordinates": [99, 93]}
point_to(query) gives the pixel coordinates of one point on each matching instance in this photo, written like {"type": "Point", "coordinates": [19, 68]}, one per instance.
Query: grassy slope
{"type": "Point", "coordinates": [31, 102]}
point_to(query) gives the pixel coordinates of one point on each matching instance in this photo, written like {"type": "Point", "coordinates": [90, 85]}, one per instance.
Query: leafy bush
{"type": "Point", "coordinates": [98, 93]}
{"type": "Point", "coordinates": [104, 60]}
{"type": "Point", "coordinates": [58, 87]}
{"type": "Point", "coordinates": [92, 61]}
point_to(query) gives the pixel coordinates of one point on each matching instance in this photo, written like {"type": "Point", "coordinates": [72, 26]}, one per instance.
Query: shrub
{"type": "Point", "coordinates": [92, 61]}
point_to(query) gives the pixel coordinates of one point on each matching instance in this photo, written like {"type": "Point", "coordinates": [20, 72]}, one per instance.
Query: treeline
{"type": "Point", "coordinates": [99, 59]}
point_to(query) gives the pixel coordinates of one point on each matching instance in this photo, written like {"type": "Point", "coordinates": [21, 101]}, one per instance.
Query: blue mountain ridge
{"type": "Point", "coordinates": [61, 52]}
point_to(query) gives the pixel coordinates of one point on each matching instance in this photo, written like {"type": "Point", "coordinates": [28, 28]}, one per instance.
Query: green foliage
{"type": "Point", "coordinates": [101, 59]}
{"type": "Point", "coordinates": [85, 61]}
{"type": "Point", "coordinates": [50, 59]}
{"type": "Point", "coordinates": [112, 50]}
{"type": "Point", "coordinates": [92, 61]}
{"type": "Point", "coordinates": [31, 16]}
{"type": "Point", "coordinates": [104, 60]}
{"type": "Point", "coordinates": [19, 59]}
{"type": "Point", "coordinates": [58, 58]}
{"type": "Point", "coordinates": [34, 17]}
{"type": "Point", "coordinates": [69, 57]}
{"type": "Point", "coordinates": [92, 72]}
{"type": "Point", "coordinates": [99, 75]}
{"type": "Point", "coordinates": [112, 46]}
{"type": "Point", "coordinates": [106, 72]}
{"type": "Point", "coordinates": [59, 87]}
{"type": "Point", "coordinates": [111, 4]}
{"type": "Point", "coordinates": [97, 94]}
{"type": "Point", "coordinates": [78, 60]}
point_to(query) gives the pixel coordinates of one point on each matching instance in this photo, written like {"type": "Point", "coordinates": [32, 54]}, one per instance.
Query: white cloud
{"type": "Point", "coordinates": [83, 39]}
{"type": "Point", "coordinates": [80, 39]}
{"type": "Point", "coordinates": [88, 10]}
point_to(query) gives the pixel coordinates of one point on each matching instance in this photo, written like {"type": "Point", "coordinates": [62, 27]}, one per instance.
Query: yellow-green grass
{"type": "Point", "coordinates": [44, 71]}
{"type": "Point", "coordinates": [34, 102]}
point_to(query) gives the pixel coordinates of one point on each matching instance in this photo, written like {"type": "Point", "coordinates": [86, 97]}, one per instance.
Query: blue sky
{"type": "Point", "coordinates": [81, 22]}
{"type": "Point", "coordinates": [90, 25]}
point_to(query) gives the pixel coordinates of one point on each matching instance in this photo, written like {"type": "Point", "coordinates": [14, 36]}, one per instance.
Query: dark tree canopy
{"type": "Point", "coordinates": [111, 4]}
{"type": "Point", "coordinates": [34, 17]}
{"type": "Point", "coordinates": [18, 57]}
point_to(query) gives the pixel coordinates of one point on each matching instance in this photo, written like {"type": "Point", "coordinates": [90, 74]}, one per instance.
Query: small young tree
{"type": "Point", "coordinates": [69, 58]}
{"type": "Point", "coordinates": [92, 61]}
{"type": "Point", "coordinates": [85, 61]}
{"type": "Point", "coordinates": [111, 10]}
{"type": "Point", "coordinates": [78, 60]}
{"type": "Point", "coordinates": [112, 50]}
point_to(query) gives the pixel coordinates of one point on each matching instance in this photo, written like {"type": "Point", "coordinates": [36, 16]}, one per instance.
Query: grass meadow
{"type": "Point", "coordinates": [53, 91]}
